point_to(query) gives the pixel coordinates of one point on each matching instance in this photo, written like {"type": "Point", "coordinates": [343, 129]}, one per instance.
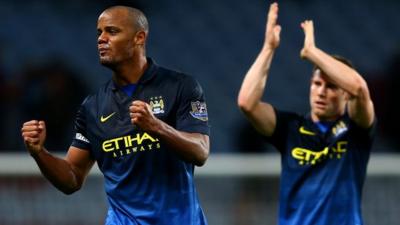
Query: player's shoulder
{"type": "Point", "coordinates": [173, 75]}
{"type": "Point", "coordinates": [290, 115]}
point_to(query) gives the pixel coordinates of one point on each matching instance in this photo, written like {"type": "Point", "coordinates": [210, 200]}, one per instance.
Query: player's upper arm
{"type": "Point", "coordinates": [361, 107]}
{"type": "Point", "coordinates": [80, 161]}
{"type": "Point", "coordinates": [262, 116]}
{"type": "Point", "coordinates": [191, 114]}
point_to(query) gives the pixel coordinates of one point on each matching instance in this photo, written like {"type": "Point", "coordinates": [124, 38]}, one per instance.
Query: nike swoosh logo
{"type": "Point", "coordinates": [104, 119]}
{"type": "Point", "coordinates": [304, 131]}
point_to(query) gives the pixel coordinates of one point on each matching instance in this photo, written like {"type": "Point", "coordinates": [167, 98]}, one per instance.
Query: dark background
{"type": "Point", "coordinates": [49, 61]}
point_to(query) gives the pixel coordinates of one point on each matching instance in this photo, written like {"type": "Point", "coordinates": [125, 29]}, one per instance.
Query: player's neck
{"type": "Point", "coordinates": [316, 118]}
{"type": "Point", "coordinates": [131, 72]}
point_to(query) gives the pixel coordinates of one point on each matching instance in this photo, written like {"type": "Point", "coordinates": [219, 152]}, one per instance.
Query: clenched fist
{"type": "Point", "coordinates": [34, 135]}
{"type": "Point", "coordinates": [142, 116]}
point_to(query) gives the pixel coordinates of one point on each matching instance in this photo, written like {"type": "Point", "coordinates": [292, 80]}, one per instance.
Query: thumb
{"type": "Point", "coordinates": [277, 30]}
{"type": "Point", "coordinates": [42, 126]}
{"type": "Point", "coordinates": [42, 131]}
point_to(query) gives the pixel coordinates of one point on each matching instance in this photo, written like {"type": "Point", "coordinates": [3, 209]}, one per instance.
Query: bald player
{"type": "Point", "coordinates": [147, 128]}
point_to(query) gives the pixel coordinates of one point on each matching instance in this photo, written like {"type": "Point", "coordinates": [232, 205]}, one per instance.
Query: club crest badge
{"type": "Point", "coordinates": [339, 128]}
{"type": "Point", "coordinates": [157, 105]}
{"type": "Point", "coordinates": [199, 110]}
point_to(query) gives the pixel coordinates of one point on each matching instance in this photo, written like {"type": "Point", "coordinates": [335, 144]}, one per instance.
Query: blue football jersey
{"type": "Point", "coordinates": [145, 181]}
{"type": "Point", "coordinates": [322, 172]}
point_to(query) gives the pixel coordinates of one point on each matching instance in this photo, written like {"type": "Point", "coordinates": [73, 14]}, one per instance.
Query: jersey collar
{"type": "Point", "coordinates": [148, 74]}
{"type": "Point", "coordinates": [312, 126]}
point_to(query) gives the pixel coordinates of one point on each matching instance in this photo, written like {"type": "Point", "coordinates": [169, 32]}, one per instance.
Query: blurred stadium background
{"type": "Point", "coordinates": [48, 63]}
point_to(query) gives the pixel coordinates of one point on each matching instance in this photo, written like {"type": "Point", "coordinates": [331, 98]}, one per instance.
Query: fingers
{"type": "Point", "coordinates": [139, 110]}
{"type": "Point", "coordinates": [33, 140]}
{"type": "Point", "coordinates": [272, 34]}
{"type": "Point", "coordinates": [308, 28]}
{"type": "Point", "coordinates": [272, 16]}
{"type": "Point", "coordinates": [277, 30]}
{"type": "Point", "coordinates": [32, 127]}
{"type": "Point", "coordinates": [31, 123]}
{"type": "Point", "coordinates": [307, 25]}
{"type": "Point", "coordinates": [139, 103]}
{"type": "Point", "coordinates": [309, 42]}
{"type": "Point", "coordinates": [32, 131]}
{"type": "Point", "coordinates": [139, 107]}
{"type": "Point", "coordinates": [273, 13]}
{"type": "Point", "coordinates": [42, 125]}
{"type": "Point", "coordinates": [142, 116]}
{"type": "Point", "coordinates": [135, 117]}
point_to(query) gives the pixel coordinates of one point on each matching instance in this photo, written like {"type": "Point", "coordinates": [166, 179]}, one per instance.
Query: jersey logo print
{"type": "Point", "coordinates": [339, 128]}
{"type": "Point", "coordinates": [104, 119]}
{"type": "Point", "coordinates": [157, 104]}
{"type": "Point", "coordinates": [304, 131]}
{"type": "Point", "coordinates": [311, 157]}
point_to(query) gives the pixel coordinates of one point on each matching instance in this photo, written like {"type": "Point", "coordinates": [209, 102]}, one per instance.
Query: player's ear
{"type": "Point", "coordinates": [140, 37]}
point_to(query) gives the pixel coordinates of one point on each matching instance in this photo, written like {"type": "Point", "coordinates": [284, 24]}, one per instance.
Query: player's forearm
{"type": "Point", "coordinates": [342, 75]}
{"type": "Point", "coordinates": [191, 147]}
{"type": "Point", "coordinates": [57, 171]}
{"type": "Point", "coordinates": [253, 86]}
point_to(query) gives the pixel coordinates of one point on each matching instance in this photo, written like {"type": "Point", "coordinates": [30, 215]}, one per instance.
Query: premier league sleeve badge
{"type": "Point", "coordinates": [199, 111]}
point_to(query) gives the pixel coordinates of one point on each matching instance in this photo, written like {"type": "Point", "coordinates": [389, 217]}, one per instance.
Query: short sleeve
{"type": "Point", "coordinates": [367, 132]}
{"type": "Point", "coordinates": [283, 123]}
{"type": "Point", "coordinates": [192, 115]}
{"type": "Point", "coordinates": [80, 139]}
{"type": "Point", "coordinates": [365, 135]}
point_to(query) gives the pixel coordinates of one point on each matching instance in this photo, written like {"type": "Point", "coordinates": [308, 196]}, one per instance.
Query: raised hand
{"type": "Point", "coordinates": [309, 42]}
{"type": "Point", "coordinates": [273, 30]}
{"type": "Point", "coordinates": [34, 135]}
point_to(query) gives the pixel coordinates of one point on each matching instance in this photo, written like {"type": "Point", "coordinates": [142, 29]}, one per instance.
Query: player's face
{"type": "Point", "coordinates": [326, 99]}
{"type": "Point", "coordinates": [116, 38]}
